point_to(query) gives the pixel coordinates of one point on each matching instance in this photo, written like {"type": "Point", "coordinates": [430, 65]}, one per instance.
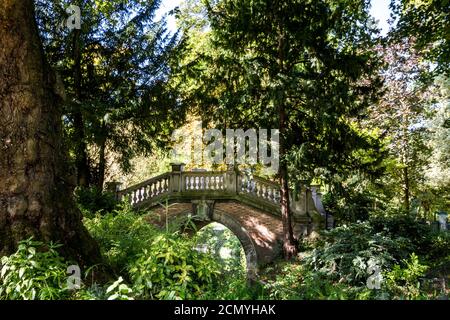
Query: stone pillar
{"type": "Point", "coordinates": [114, 187]}
{"type": "Point", "coordinates": [317, 198]}
{"type": "Point", "coordinates": [176, 177]}
{"type": "Point", "coordinates": [231, 179]}
{"type": "Point", "coordinates": [442, 218]}
{"type": "Point", "coordinates": [298, 201]}
{"type": "Point", "coordinates": [315, 192]}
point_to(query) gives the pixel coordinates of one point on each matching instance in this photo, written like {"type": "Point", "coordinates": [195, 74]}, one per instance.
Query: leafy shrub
{"type": "Point", "coordinates": [92, 200]}
{"type": "Point", "coordinates": [223, 245]}
{"type": "Point", "coordinates": [428, 244]}
{"type": "Point", "coordinates": [404, 282]}
{"type": "Point", "coordinates": [438, 250]}
{"type": "Point", "coordinates": [234, 288]}
{"type": "Point", "coordinates": [34, 271]}
{"type": "Point", "coordinates": [172, 269]}
{"type": "Point", "coordinates": [122, 235]}
{"type": "Point", "coordinates": [119, 291]}
{"type": "Point", "coordinates": [135, 249]}
{"type": "Point", "coordinates": [295, 281]}
{"type": "Point", "coordinates": [406, 226]}
{"type": "Point", "coordinates": [346, 253]}
{"type": "Point", "coordinates": [338, 266]}
{"type": "Point", "coordinates": [287, 282]}
{"type": "Point", "coordinates": [437, 258]}
{"type": "Point", "coordinates": [92, 292]}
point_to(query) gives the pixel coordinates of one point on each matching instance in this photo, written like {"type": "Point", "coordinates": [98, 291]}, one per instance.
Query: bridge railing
{"type": "Point", "coordinates": [178, 182]}
{"type": "Point", "coordinates": [203, 181]}
{"type": "Point", "coordinates": [259, 188]}
{"type": "Point", "coordinates": [146, 190]}
{"type": "Point", "coordinates": [185, 186]}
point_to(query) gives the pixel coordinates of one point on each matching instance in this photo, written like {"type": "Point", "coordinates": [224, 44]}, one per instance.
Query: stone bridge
{"type": "Point", "coordinates": [247, 205]}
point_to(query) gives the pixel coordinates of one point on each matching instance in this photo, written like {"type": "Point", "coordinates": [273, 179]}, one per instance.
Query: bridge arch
{"type": "Point", "coordinates": [243, 236]}
{"type": "Point", "coordinates": [259, 232]}
{"type": "Point", "coordinates": [247, 205]}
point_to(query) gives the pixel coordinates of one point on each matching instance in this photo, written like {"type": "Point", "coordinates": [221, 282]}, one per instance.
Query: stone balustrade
{"type": "Point", "coordinates": [196, 185]}
{"type": "Point", "coordinates": [146, 190]}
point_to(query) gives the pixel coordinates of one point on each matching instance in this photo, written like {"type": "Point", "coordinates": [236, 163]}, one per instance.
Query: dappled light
{"type": "Point", "coordinates": [222, 244]}
{"type": "Point", "coordinates": [224, 150]}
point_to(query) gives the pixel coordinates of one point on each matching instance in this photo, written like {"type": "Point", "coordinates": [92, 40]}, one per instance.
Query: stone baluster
{"type": "Point", "coordinates": [442, 218]}
{"type": "Point", "coordinates": [176, 177]}
{"type": "Point", "coordinates": [134, 197]}
{"type": "Point", "coordinates": [230, 183]}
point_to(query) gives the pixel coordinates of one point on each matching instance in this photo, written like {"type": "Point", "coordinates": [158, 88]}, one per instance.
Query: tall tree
{"type": "Point", "coordinates": [115, 69]}
{"type": "Point", "coordinates": [438, 140]}
{"type": "Point", "coordinates": [401, 113]}
{"type": "Point", "coordinates": [35, 194]}
{"type": "Point", "coordinates": [428, 22]}
{"type": "Point", "coordinates": [304, 67]}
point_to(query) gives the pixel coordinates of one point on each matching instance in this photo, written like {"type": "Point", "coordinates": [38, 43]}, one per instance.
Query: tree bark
{"type": "Point", "coordinates": [405, 161]}
{"type": "Point", "coordinates": [406, 189]}
{"type": "Point", "coordinates": [81, 158]}
{"type": "Point", "coordinates": [35, 195]}
{"type": "Point", "coordinates": [289, 243]}
{"type": "Point", "coordinates": [102, 162]}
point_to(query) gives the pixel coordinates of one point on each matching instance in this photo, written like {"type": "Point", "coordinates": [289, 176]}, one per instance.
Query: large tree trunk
{"type": "Point", "coordinates": [35, 196]}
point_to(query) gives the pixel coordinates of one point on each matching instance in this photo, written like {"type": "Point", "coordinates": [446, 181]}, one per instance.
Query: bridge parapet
{"type": "Point", "coordinates": [195, 183]}
{"type": "Point", "coordinates": [146, 190]}
{"type": "Point", "coordinates": [259, 188]}
{"type": "Point", "coordinates": [198, 181]}
{"type": "Point", "coordinates": [186, 186]}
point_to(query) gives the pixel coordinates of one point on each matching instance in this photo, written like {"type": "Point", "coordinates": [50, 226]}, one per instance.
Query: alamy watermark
{"type": "Point", "coordinates": [74, 278]}
{"type": "Point", "coordinates": [375, 278]}
{"type": "Point", "coordinates": [74, 19]}
{"type": "Point", "coordinates": [239, 146]}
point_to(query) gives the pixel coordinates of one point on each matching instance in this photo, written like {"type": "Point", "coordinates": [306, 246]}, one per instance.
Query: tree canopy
{"type": "Point", "coordinates": [94, 96]}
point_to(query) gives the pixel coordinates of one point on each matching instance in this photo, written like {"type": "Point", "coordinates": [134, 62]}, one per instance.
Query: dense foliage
{"type": "Point", "coordinates": [115, 72]}
{"type": "Point", "coordinates": [33, 272]}
{"type": "Point", "coordinates": [405, 257]}
{"type": "Point", "coordinates": [366, 117]}
{"type": "Point", "coordinates": [172, 269]}
{"type": "Point", "coordinates": [389, 251]}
